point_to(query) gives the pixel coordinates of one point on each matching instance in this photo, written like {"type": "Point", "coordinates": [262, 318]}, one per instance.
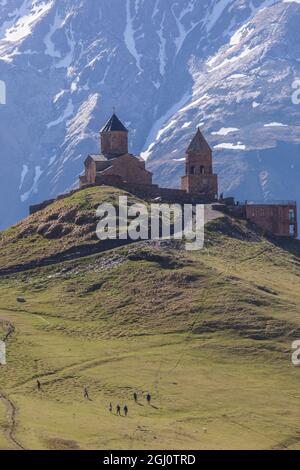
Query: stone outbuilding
{"type": "Point", "coordinates": [279, 218]}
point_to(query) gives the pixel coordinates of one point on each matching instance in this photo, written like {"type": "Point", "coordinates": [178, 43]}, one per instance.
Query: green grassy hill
{"type": "Point", "coordinates": [207, 333]}
{"type": "Point", "coordinates": [65, 228]}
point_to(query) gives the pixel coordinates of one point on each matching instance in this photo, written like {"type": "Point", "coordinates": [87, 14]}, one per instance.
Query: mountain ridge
{"type": "Point", "coordinates": [161, 66]}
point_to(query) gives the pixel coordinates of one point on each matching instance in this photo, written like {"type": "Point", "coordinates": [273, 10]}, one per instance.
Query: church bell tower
{"type": "Point", "coordinates": [199, 178]}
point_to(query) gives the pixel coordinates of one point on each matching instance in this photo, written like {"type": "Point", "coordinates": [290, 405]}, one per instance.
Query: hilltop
{"type": "Point", "coordinates": [64, 229]}
{"type": "Point", "coordinates": [208, 333]}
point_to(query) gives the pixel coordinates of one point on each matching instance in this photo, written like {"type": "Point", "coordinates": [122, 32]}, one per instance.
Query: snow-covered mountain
{"type": "Point", "coordinates": [167, 66]}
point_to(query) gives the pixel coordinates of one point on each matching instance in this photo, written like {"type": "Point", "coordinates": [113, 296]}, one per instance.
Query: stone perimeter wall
{"type": "Point", "coordinates": [152, 191]}
{"type": "Point", "coordinates": [278, 225]}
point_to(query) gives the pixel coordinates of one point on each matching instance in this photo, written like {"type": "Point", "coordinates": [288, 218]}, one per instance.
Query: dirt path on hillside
{"type": "Point", "coordinates": [9, 405]}
{"type": "Point", "coordinates": [212, 214]}
{"type": "Point", "coordinates": [11, 422]}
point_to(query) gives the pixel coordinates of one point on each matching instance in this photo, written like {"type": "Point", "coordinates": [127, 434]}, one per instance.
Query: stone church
{"type": "Point", "coordinates": [117, 167]}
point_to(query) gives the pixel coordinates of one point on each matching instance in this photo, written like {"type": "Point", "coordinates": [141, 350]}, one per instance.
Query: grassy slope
{"type": "Point", "coordinates": [208, 333]}
{"type": "Point", "coordinates": [66, 224]}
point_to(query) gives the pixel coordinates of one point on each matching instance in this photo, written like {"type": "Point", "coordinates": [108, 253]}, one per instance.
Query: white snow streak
{"type": "Point", "coordinates": [68, 59]}
{"type": "Point", "coordinates": [34, 187]}
{"type": "Point", "coordinates": [275, 124]}
{"type": "Point", "coordinates": [129, 37]}
{"type": "Point", "coordinates": [158, 129]}
{"type": "Point", "coordinates": [162, 48]}
{"type": "Point", "coordinates": [66, 114]}
{"type": "Point", "coordinates": [23, 175]}
{"type": "Point", "coordinates": [24, 25]}
{"type": "Point", "coordinates": [225, 131]}
{"type": "Point", "coordinates": [216, 13]}
{"type": "Point", "coordinates": [182, 32]}
{"type": "Point", "coordinates": [50, 47]}
{"type": "Point", "coordinates": [228, 145]}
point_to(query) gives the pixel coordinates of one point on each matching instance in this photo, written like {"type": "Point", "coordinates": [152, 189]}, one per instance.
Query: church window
{"type": "Point", "coordinates": [291, 215]}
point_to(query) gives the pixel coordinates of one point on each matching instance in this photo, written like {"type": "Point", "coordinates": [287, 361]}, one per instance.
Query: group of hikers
{"type": "Point", "coordinates": [110, 408]}
{"type": "Point", "coordinates": [125, 409]}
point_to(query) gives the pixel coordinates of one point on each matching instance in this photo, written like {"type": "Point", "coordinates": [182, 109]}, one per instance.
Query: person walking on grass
{"type": "Point", "coordinates": [110, 408]}
{"type": "Point", "coordinates": [118, 410]}
{"type": "Point", "coordinates": [39, 386]}
{"type": "Point", "coordinates": [135, 397]}
{"type": "Point", "coordinates": [86, 393]}
{"type": "Point", "coordinates": [125, 410]}
{"type": "Point", "coordinates": [148, 398]}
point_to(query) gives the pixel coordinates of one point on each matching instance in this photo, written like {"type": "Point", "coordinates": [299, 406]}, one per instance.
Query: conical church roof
{"type": "Point", "coordinates": [114, 124]}
{"type": "Point", "coordinates": [198, 143]}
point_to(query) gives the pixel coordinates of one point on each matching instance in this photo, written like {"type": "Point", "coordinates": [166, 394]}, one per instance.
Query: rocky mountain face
{"type": "Point", "coordinates": [229, 66]}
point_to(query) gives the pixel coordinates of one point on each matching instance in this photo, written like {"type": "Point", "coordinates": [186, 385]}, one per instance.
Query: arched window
{"type": "Point", "coordinates": [192, 170]}
{"type": "Point", "coordinates": [202, 170]}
